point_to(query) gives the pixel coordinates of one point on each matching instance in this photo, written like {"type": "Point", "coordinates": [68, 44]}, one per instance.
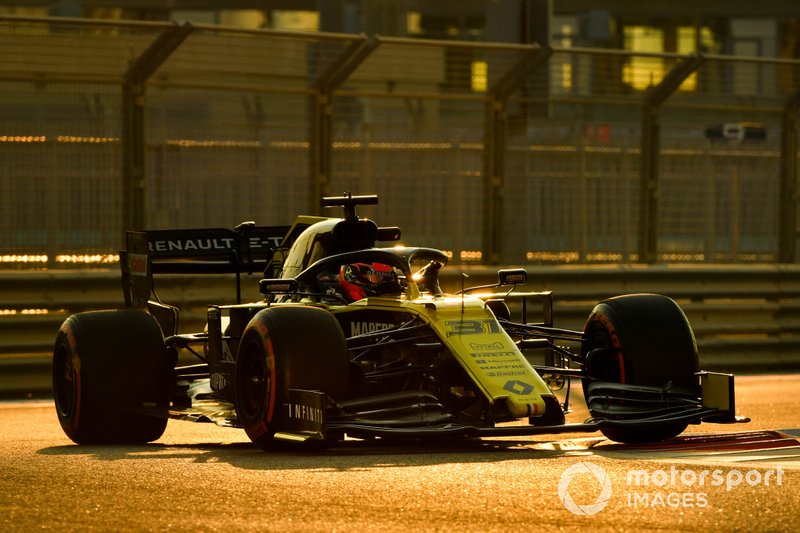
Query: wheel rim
{"type": "Point", "coordinates": [64, 384]}
{"type": "Point", "coordinates": [256, 385]}
{"type": "Point", "coordinates": [614, 368]}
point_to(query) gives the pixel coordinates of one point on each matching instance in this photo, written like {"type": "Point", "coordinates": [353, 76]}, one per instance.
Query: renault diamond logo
{"type": "Point", "coordinates": [518, 387]}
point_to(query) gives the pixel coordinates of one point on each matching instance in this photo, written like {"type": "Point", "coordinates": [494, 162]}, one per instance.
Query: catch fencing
{"type": "Point", "coordinates": [746, 317]}
{"type": "Point", "coordinates": [497, 153]}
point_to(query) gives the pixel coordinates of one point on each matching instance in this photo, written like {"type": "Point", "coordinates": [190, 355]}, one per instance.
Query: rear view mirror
{"type": "Point", "coordinates": [512, 276]}
{"type": "Point", "coordinates": [506, 276]}
{"type": "Point", "coordinates": [277, 286]}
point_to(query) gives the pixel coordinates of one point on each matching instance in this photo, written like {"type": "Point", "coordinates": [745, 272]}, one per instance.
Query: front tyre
{"type": "Point", "coordinates": [639, 339]}
{"type": "Point", "coordinates": [107, 367]}
{"type": "Point", "coordinates": [286, 348]}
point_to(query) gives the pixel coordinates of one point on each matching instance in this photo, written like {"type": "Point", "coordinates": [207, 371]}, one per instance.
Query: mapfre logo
{"type": "Point", "coordinates": [362, 328]}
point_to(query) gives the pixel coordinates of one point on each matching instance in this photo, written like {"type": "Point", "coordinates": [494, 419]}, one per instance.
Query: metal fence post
{"type": "Point", "coordinates": [134, 136]}
{"type": "Point", "coordinates": [651, 152]}
{"type": "Point", "coordinates": [494, 147]}
{"type": "Point", "coordinates": [787, 218]}
{"type": "Point", "coordinates": [648, 192]}
{"type": "Point", "coordinates": [320, 115]}
{"type": "Point", "coordinates": [494, 135]}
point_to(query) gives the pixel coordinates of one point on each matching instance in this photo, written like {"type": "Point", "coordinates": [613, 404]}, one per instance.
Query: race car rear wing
{"type": "Point", "coordinates": [245, 249]}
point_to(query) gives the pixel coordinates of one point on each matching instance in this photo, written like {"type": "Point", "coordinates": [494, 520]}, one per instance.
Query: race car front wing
{"type": "Point", "coordinates": [420, 416]}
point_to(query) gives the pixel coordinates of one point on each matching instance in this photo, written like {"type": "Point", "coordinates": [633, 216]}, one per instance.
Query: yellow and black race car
{"type": "Point", "coordinates": [356, 340]}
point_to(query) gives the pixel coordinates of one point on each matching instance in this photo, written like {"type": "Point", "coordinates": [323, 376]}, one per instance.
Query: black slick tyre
{"type": "Point", "coordinates": [108, 368]}
{"type": "Point", "coordinates": [286, 348]}
{"type": "Point", "coordinates": [639, 339]}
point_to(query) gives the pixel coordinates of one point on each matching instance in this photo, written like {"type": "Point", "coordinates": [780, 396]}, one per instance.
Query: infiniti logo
{"type": "Point", "coordinates": [602, 499]}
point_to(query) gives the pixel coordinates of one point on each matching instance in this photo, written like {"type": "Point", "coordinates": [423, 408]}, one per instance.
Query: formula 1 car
{"type": "Point", "coordinates": [354, 340]}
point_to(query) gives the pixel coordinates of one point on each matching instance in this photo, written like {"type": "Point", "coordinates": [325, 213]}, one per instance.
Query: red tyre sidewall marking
{"type": "Point", "coordinates": [75, 366]}
{"type": "Point", "coordinates": [612, 334]}
{"type": "Point", "coordinates": [262, 426]}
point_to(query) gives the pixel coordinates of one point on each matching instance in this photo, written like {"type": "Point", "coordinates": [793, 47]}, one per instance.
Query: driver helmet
{"type": "Point", "coordinates": [359, 280]}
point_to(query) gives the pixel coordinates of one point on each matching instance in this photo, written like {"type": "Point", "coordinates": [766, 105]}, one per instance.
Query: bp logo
{"type": "Point", "coordinates": [600, 476]}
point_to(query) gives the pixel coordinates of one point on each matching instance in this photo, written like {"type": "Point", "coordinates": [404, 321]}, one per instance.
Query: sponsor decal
{"type": "Point", "coordinates": [500, 364]}
{"type": "Point", "coordinates": [279, 287]}
{"type": "Point", "coordinates": [478, 347]}
{"type": "Point", "coordinates": [137, 264]}
{"type": "Point", "coordinates": [506, 374]}
{"type": "Point", "coordinates": [360, 328]}
{"type": "Point", "coordinates": [305, 413]}
{"type": "Point", "coordinates": [268, 242]}
{"type": "Point", "coordinates": [504, 363]}
{"type": "Point", "coordinates": [495, 354]}
{"type": "Point", "coordinates": [215, 244]}
{"type": "Point", "coordinates": [518, 387]}
{"type": "Point", "coordinates": [191, 245]}
{"type": "Point", "coordinates": [502, 367]}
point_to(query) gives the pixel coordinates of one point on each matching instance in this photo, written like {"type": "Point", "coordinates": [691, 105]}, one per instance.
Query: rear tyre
{"type": "Point", "coordinates": [639, 339]}
{"type": "Point", "coordinates": [286, 348]}
{"type": "Point", "coordinates": [107, 365]}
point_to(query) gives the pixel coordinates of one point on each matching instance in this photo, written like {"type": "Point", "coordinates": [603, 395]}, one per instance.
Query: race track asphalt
{"type": "Point", "coordinates": [199, 477]}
